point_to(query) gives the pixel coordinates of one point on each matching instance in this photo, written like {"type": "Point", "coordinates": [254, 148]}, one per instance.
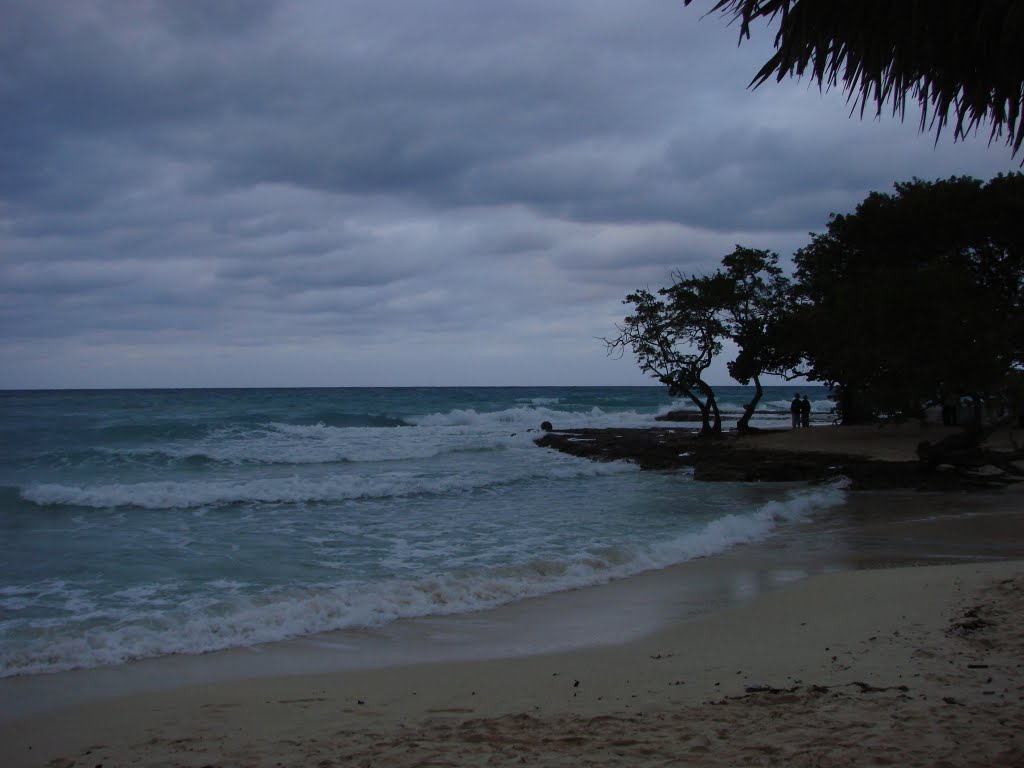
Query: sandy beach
{"type": "Point", "coordinates": [913, 666]}
{"type": "Point", "coordinates": [887, 442]}
{"type": "Point", "coordinates": [843, 661]}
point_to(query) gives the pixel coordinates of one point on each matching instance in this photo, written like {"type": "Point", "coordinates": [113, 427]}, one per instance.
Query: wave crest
{"type": "Point", "coordinates": [294, 489]}
{"type": "Point", "coordinates": [244, 620]}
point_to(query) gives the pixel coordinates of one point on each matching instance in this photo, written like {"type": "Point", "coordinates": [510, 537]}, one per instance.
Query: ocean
{"type": "Point", "coordinates": [143, 523]}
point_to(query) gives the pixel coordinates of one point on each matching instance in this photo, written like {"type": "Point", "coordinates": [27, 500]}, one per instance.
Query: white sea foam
{"type": "Point", "coordinates": [424, 437]}
{"type": "Point", "coordinates": [278, 444]}
{"type": "Point", "coordinates": [227, 618]}
{"type": "Point", "coordinates": [170, 494]}
{"type": "Point", "coordinates": [732, 529]}
{"type": "Point", "coordinates": [524, 418]}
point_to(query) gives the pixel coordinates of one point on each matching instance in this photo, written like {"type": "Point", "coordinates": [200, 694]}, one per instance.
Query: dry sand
{"type": "Point", "coordinates": [913, 667]}
{"type": "Point", "coordinates": [888, 442]}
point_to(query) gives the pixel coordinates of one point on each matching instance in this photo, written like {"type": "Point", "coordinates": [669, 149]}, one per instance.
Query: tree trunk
{"type": "Point", "coordinates": [718, 416]}
{"type": "Point", "coordinates": [710, 406]}
{"type": "Point", "coordinates": [851, 407]}
{"type": "Point", "coordinates": [705, 428]}
{"type": "Point", "coordinates": [743, 425]}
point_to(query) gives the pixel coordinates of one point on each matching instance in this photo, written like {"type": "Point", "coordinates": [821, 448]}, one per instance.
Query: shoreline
{"type": "Point", "coordinates": [832, 665]}
{"type": "Point", "coordinates": [930, 528]}
{"type": "Point", "coordinates": [767, 611]}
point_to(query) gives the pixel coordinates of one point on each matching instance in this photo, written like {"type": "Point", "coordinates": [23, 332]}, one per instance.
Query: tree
{"type": "Point", "coordinates": [756, 314]}
{"type": "Point", "coordinates": [915, 293]}
{"type": "Point", "coordinates": [677, 337]}
{"type": "Point", "coordinates": [959, 56]}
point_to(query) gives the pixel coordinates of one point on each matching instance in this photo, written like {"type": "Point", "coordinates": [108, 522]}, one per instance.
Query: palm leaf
{"type": "Point", "coordinates": [962, 61]}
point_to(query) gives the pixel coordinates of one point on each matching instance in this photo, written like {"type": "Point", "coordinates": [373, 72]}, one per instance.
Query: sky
{"type": "Point", "coordinates": [236, 193]}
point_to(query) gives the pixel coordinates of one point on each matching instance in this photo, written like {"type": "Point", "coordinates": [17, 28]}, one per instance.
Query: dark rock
{"type": "Point", "coordinates": [963, 451]}
{"type": "Point", "coordinates": [717, 459]}
{"type": "Point", "coordinates": [546, 426]}
{"type": "Point", "coordinates": [868, 688]}
{"type": "Point", "coordinates": [770, 689]}
{"type": "Point", "coordinates": [681, 415]}
{"type": "Point", "coordinates": [655, 448]}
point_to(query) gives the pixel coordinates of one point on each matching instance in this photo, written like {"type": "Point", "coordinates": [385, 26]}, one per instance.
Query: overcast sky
{"type": "Point", "coordinates": [350, 192]}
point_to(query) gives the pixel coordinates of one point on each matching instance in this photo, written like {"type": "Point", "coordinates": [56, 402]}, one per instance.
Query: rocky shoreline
{"type": "Point", "coordinates": [724, 458]}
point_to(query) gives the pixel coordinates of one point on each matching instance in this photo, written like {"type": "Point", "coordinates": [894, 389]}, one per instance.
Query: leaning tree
{"type": "Point", "coordinates": [958, 59]}
{"type": "Point", "coordinates": [756, 310]}
{"type": "Point", "coordinates": [676, 337]}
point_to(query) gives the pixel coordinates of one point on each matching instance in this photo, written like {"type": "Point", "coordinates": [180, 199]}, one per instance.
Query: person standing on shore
{"type": "Point", "coordinates": [805, 412]}
{"type": "Point", "coordinates": [794, 411]}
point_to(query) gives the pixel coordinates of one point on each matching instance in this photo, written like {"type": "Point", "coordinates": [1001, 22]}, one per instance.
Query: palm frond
{"type": "Point", "coordinates": [962, 61]}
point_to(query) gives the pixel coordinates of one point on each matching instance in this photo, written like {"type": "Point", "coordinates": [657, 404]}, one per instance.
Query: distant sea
{"type": "Point", "coordinates": [141, 523]}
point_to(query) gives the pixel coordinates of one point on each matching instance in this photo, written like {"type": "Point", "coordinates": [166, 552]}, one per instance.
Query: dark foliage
{"type": "Point", "coordinates": [915, 298]}
{"type": "Point", "coordinates": [960, 60]}
{"type": "Point", "coordinates": [916, 294]}
{"type": "Point", "coordinates": [675, 338]}
{"type": "Point", "coordinates": [755, 312]}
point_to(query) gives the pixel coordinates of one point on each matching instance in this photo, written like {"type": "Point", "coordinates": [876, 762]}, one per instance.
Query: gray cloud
{"type": "Point", "coordinates": [210, 187]}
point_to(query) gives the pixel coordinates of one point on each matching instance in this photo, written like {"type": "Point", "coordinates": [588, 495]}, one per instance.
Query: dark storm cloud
{"type": "Point", "coordinates": [586, 111]}
{"type": "Point", "coordinates": [456, 106]}
{"type": "Point", "coordinates": [435, 179]}
{"type": "Point", "coordinates": [218, 20]}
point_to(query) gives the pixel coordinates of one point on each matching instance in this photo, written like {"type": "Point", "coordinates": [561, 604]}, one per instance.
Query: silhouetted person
{"type": "Point", "coordinates": [794, 411]}
{"type": "Point", "coordinates": [805, 412]}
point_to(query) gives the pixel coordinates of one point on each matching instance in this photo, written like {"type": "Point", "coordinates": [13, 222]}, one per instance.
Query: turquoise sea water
{"type": "Point", "coordinates": [140, 523]}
